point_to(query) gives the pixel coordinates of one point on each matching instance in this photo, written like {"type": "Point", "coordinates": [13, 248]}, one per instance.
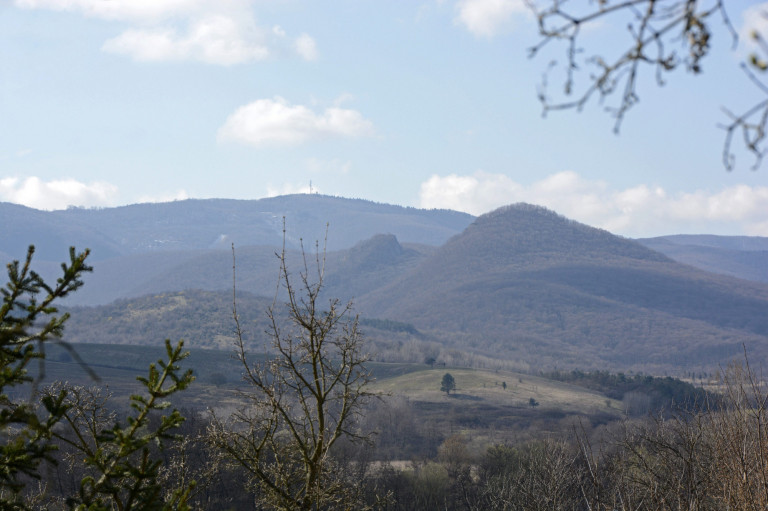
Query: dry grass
{"type": "Point", "coordinates": [487, 386]}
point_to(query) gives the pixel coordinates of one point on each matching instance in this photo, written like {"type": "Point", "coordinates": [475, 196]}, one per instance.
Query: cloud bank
{"type": "Point", "coordinates": [637, 211]}
{"type": "Point", "coordinates": [56, 194]}
{"type": "Point", "coordinates": [486, 18]}
{"type": "Point", "coordinates": [276, 122]}
{"type": "Point", "coordinates": [221, 32]}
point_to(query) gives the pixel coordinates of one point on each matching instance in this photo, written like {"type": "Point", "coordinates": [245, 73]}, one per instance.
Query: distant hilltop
{"type": "Point", "coordinates": [217, 223]}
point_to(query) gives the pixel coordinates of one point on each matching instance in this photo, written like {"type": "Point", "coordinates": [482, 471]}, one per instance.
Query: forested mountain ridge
{"type": "Point", "coordinates": [525, 283]}
{"type": "Point", "coordinates": [521, 283]}
{"type": "Point", "coordinates": [739, 243]}
{"type": "Point", "coordinates": [199, 224]}
{"type": "Point", "coordinates": [745, 257]}
{"type": "Point", "coordinates": [150, 248]}
{"type": "Point", "coordinates": [157, 247]}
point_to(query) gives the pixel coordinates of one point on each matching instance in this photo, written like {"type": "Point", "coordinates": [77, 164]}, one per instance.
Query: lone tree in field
{"type": "Point", "coordinates": [448, 384]}
{"type": "Point", "coordinates": [303, 399]}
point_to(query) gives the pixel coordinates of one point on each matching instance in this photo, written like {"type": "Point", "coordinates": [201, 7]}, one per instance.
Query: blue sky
{"type": "Point", "coordinates": [426, 103]}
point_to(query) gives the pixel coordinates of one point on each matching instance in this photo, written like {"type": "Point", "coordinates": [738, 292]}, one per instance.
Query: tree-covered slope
{"type": "Point", "coordinates": [745, 257]}
{"type": "Point", "coordinates": [525, 283]}
{"type": "Point", "coordinates": [521, 284]}
{"type": "Point", "coordinates": [217, 223]}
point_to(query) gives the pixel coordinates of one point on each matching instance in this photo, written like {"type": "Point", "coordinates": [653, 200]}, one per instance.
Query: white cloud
{"type": "Point", "coordinates": [290, 189]}
{"type": "Point", "coordinates": [222, 32]}
{"type": "Point", "coordinates": [56, 194]}
{"type": "Point", "coordinates": [275, 121]}
{"type": "Point", "coordinates": [213, 40]}
{"type": "Point", "coordinates": [306, 47]}
{"type": "Point", "coordinates": [637, 211]}
{"type": "Point", "coordinates": [119, 10]}
{"type": "Point", "coordinates": [167, 197]}
{"type": "Point", "coordinates": [345, 97]}
{"type": "Point", "coordinates": [486, 18]}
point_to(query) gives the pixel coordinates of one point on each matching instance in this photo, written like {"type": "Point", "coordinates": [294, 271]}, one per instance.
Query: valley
{"type": "Point", "coordinates": [568, 345]}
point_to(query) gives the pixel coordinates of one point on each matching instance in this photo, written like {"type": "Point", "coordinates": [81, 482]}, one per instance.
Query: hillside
{"type": "Point", "coordinates": [368, 265]}
{"type": "Point", "coordinates": [51, 233]}
{"type": "Point", "coordinates": [745, 257]}
{"type": "Point", "coordinates": [527, 284]}
{"type": "Point", "coordinates": [154, 248]}
{"type": "Point", "coordinates": [204, 320]}
{"type": "Point", "coordinates": [217, 223]}
{"type": "Point", "coordinates": [412, 416]}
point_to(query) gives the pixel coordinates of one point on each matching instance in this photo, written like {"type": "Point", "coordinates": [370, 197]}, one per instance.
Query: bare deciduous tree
{"type": "Point", "coordinates": [543, 475]}
{"type": "Point", "coordinates": [710, 455]}
{"type": "Point", "coordinates": [303, 399]}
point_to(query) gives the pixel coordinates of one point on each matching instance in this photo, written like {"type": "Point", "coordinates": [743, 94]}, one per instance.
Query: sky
{"type": "Point", "coordinates": [423, 103]}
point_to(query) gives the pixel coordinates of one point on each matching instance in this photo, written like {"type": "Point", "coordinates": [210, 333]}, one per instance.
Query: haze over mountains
{"type": "Point", "coordinates": [745, 257]}
{"type": "Point", "coordinates": [147, 248]}
{"type": "Point", "coordinates": [520, 283]}
{"type": "Point", "coordinates": [216, 223]}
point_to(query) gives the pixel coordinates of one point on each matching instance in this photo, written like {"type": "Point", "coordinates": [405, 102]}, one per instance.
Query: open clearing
{"type": "Point", "coordinates": [476, 385]}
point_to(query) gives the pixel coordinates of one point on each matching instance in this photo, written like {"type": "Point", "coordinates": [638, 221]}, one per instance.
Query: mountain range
{"type": "Point", "coordinates": [542, 288]}
{"type": "Point", "coordinates": [521, 283]}
{"type": "Point", "coordinates": [745, 257]}
{"type": "Point", "coordinates": [217, 223]}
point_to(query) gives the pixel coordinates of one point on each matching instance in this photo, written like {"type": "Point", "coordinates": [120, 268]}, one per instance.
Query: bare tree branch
{"type": "Point", "coordinates": [304, 398]}
{"type": "Point", "coordinates": [663, 35]}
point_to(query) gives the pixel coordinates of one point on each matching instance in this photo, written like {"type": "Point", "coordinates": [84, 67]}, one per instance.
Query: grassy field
{"type": "Point", "coordinates": [486, 413]}
{"type": "Point", "coordinates": [474, 385]}
{"type": "Point", "coordinates": [480, 408]}
{"type": "Point", "coordinates": [118, 366]}
{"type": "Point", "coordinates": [218, 373]}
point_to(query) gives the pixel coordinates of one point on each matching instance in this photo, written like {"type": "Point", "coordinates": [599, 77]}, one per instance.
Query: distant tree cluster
{"type": "Point", "coordinates": [389, 325]}
{"type": "Point", "coordinates": [662, 393]}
